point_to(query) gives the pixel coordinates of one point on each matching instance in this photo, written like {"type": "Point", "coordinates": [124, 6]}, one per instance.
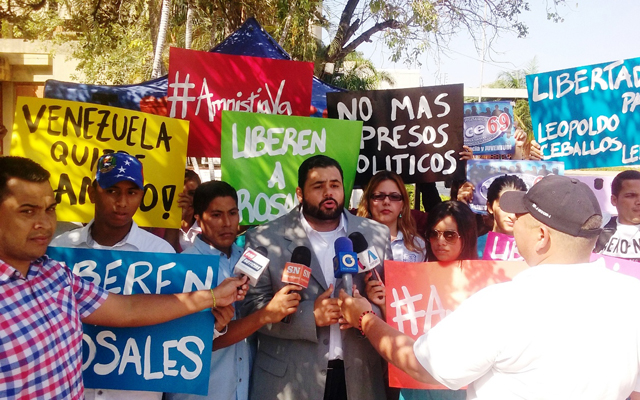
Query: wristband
{"type": "Point", "coordinates": [214, 298]}
{"type": "Point", "coordinates": [360, 320]}
{"type": "Point", "coordinates": [217, 334]}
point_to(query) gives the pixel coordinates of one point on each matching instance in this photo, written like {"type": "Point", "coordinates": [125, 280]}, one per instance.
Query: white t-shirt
{"type": "Point", "coordinates": [554, 332]}
{"type": "Point", "coordinates": [136, 240]}
{"type": "Point", "coordinates": [401, 253]}
{"type": "Point", "coordinates": [624, 243]}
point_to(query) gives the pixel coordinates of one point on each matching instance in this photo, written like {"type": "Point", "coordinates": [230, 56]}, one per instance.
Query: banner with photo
{"type": "Point", "coordinates": [482, 173]}
{"type": "Point", "coordinates": [67, 138]}
{"type": "Point", "coordinates": [489, 127]}
{"type": "Point", "coordinates": [414, 132]}
{"type": "Point", "coordinates": [261, 155]}
{"type": "Point", "coordinates": [171, 357]}
{"type": "Point", "coordinates": [588, 116]}
{"type": "Point", "coordinates": [420, 295]}
{"type": "Point", "coordinates": [202, 84]}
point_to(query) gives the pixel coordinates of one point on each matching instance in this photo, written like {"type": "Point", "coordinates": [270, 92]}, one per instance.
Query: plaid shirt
{"type": "Point", "coordinates": [41, 332]}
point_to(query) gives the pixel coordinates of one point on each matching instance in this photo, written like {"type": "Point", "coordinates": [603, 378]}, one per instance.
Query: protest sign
{"type": "Point", "coordinates": [500, 247]}
{"type": "Point", "coordinates": [488, 127]}
{"type": "Point", "coordinates": [261, 154]}
{"type": "Point", "coordinates": [67, 138]}
{"type": "Point", "coordinates": [601, 187]}
{"type": "Point", "coordinates": [627, 267]}
{"type": "Point", "coordinates": [171, 357]}
{"type": "Point", "coordinates": [203, 84]}
{"type": "Point", "coordinates": [588, 116]}
{"type": "Point", "coordinates": [482, 173]}
{"type": "Point", "coordinates": [415, 132]}
{"type": "Point", "coordinates": [419, 295]}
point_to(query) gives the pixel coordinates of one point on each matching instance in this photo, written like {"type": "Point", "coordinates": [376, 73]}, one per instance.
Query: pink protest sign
{"type": "Point", "coordinates": [501, 247]}
{"type": "Point", "coordinates": [203, 84]}
{"type": "Point", "coordinates": [621, 265]}
{"type": "Point", "coordinates": [419, 295]}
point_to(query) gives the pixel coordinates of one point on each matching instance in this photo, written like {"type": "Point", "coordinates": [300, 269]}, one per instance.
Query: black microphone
{"type": "Point", "coordinates": [368, 258]}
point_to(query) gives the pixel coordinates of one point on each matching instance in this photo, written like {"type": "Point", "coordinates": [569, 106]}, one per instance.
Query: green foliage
{"type": "Point", "coordinates": [357, 73]}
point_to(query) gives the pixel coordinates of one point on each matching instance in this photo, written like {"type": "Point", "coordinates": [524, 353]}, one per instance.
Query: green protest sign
{"type": "Point", "coordinates": [261, 154]}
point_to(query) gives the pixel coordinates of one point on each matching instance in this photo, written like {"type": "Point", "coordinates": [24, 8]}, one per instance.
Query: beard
{"type": "Point", "coordinates": [318, 213]}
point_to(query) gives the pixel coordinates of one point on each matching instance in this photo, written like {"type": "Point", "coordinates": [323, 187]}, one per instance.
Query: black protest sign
{"type": "Point", "coordinates": [414, 132]}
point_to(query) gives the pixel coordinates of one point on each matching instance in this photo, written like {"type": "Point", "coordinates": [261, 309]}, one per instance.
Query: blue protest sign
{"type": "Point", "coordinates": [170, 357]}
{"type": "Point", "coordinates": [488, 127]}
{"type": "Point", "coordinates": [588, 116]}
{"type": "Point", "coordinates": [482, 173]}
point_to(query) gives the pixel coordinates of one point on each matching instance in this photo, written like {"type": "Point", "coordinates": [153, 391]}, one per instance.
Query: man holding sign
{"type": "Point", "coordinates": [564, 329]}
{"type": "Point", "coordinates": [44, 305]}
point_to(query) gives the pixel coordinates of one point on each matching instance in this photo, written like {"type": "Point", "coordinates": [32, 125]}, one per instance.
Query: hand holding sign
{"type": "Point", "coordinates": [375, 291]}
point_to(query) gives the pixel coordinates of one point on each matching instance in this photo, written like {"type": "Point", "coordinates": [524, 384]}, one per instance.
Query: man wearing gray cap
{"type": "Point", "coordinates": [565, 329]}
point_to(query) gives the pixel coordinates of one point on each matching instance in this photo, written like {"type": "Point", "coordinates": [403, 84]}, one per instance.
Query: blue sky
{"type": "Point", "coordinates": [593, 31]}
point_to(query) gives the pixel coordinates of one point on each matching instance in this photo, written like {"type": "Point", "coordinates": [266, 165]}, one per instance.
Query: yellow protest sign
{"type": "Point", "coordinates": [68, 137]}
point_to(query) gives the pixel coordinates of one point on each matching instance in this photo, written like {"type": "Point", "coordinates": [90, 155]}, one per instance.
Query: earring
{"type": "Point", "coordinates": [400, 216]}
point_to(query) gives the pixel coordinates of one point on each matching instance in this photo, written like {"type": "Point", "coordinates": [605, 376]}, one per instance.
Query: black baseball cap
{"type": "Point", "coordinates": [560, 202]}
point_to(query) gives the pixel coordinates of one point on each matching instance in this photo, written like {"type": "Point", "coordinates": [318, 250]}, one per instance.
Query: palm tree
{"type": "Point", "coordinates": [162, 35]}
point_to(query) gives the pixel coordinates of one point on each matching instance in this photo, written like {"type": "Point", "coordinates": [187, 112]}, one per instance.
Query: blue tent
{"type": "Point", "coordinates": [249, 40]}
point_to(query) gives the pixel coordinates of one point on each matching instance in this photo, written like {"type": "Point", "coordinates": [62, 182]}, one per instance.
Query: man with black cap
{"type": "Point", "coordinates": [564, 329]}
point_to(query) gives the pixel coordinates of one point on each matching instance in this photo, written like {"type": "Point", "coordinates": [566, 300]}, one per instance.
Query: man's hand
{"type": "Point", "coordinates": [465, 192]}
{"type": "Point", "coordinates": [352, 307]}
{"type": "Point", "coordinates": [223, 316]}
{"type": "Point", "coordinates": [283, 303]}
{"type": "Point", "coordinates": [185, 201]}
{"type": "Point", "coordinates": [230, 291]}
{"type": "Point", "coordinates": [535, 152]}
{"type": "Point", "coordinates": [326, 309]}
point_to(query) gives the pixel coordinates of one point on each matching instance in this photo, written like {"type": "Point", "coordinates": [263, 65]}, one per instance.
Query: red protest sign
{"type": "Point", "coordinates": [419, 295]}
{"type": "Point", "coordinates": [203, 84]}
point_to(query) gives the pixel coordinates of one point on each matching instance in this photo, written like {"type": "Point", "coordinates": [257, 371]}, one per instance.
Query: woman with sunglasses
{"type": "Point", "coordinates": [385, 200]}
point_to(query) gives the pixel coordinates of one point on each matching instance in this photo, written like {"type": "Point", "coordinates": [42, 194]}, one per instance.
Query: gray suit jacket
{"type": "Point", "coordinates": [291, 361]}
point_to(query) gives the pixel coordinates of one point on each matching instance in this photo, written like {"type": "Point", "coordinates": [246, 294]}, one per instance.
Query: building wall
{"type": "Point", "coordinates": [24, 68]}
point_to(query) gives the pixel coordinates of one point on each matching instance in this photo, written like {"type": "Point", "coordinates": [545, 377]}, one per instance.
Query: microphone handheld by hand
{"type": "Point", "coordinates": [368, 258]}
{"type": "Point", "coordinates": [297, 271]}
{"type": "Point", "coordinates": [252, 263]}
{"type": "Point", "coordinates": [345, 263]}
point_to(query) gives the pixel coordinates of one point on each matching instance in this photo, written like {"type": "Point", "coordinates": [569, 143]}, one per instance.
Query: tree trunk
{"type": "Point", "coordinates": [188, 37]}
{"type": "Point", "coordinates": [162, 34]}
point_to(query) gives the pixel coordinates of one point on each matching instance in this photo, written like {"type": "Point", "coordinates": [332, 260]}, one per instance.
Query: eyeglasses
{"type": "Point", "coordinates": [449, 236]}
{"type": "Point", "coordinates": [381, 196]}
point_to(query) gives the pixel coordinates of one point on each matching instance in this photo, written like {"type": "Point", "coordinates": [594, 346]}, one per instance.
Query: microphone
{"type": "Point", "coordinates": [368, 258]}
{"type": "Point", "coordinates": [252, 263]}
{"type": "Point", "coordinates": [297, 271]}
{"type": "Point", "coordinates": [345, 263]}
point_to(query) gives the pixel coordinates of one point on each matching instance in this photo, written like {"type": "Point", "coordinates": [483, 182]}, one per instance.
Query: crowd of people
{"type": "Point", "coordinates": [565, 329]}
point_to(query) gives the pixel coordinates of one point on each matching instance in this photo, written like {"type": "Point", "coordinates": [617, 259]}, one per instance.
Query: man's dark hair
{"type": "Point", "coordinates": [20, 168]}
{"type": "Point", "coordinates": [190, 175]}
{"type": "Point", "coordinates": [208, 191]}
{"type": "Point", "coordinates": [616, 184]}
{"type": "Point", "coordinates": [317, 161]}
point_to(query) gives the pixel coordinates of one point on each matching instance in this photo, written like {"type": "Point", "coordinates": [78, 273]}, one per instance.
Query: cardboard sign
{"type": "Point", "coordinates": [489, 128]}
{"type": "Point", "coordinates": [419, 295]}
{"type": "Point", "coordinates": [261, 154]}
{"type": "Point", "coordinates": [588, 116]}
{"type": "Point", "coordinates": [482, 173]}
{"type": "Point", "coordinates": [415, 132]}
{"type": "Point", "coordinates": [203, 84]}
{"type": "Point", "coordinates": [171, 357]}
{"type": "Point", "coordinates": [501, 247]}
{"type": "Point", "coordinates": [67, 138]}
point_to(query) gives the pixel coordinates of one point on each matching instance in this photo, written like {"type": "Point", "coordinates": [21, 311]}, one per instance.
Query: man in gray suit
{"type": "Point", "coordinates": [310, 356]}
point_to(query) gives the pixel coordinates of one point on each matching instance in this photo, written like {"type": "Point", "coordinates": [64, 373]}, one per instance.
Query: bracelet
{"type": "Point", "coordinates": [214, 298]}
{"type": "Point", "coordinates": [360, 320]}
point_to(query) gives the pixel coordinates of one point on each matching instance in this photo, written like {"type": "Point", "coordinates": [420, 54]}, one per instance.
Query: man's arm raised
{"type": "Point", "coordinates": [151, 309]}
{"type": "Point", "coordinates": [393, 346]}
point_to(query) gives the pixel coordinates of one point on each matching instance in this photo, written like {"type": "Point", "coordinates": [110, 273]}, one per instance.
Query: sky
{"type": "Point", "coordinates": [593, 31]}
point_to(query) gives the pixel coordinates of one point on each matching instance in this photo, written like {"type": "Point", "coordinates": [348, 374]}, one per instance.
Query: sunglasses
{"type": "Point", "coordinates": [391, 196]}
{"type": "Point", "coordinates": [449, 236]}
